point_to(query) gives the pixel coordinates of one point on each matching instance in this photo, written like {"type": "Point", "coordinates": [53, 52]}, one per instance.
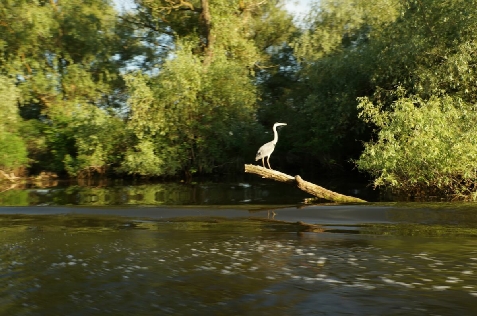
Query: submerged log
{"type": "Point", "coordinates": [303, 185]}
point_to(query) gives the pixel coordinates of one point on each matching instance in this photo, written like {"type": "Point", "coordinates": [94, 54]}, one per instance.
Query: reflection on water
{"type": "Point", "coordinates": [158, 268]}
{"type": "Point", "coordinates": [157, 194]}
{"type": "Point", "coordinates": [250, 190]}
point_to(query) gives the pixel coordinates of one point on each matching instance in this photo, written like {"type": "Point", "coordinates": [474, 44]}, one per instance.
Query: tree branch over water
{"type": "Point", "coordinates": [303, 185]}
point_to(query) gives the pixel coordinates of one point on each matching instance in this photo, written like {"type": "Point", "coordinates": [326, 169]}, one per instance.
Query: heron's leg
{"type": "Point", "coordinates": [263, 162]}
{"type": "Point", "coordinates": [268, 161]}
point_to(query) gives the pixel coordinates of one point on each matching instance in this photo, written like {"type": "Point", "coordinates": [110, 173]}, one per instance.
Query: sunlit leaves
{"type": "Point", "coordinates": [61, 55]}
{"type": "Point", "coordinates": [143, 160]}
{"type": "Point", "coordinates": [423, 145]}
{"type": "Point", "coordinates": [99, 138]}
{"type": "Point", "coordinates": [428, 51]}
{"type": "Point", "coordinates": [183, 117]}
{"type": "Point", "coordinates": [8, 105]}
{"type": "Point", "coordinates": [337, 60]}
{"type": "Point", "coordinates": [423, 101]}
{"type": "Point", "coordinates": [13, 152]}
{"type": "Point", "coordinates": [332, 26]}
{"type": "Point", "coordinates": [197, 111]}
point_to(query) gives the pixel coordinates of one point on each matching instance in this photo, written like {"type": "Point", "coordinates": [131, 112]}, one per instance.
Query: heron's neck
{"type": "Point", "coordinates": [275, 135]}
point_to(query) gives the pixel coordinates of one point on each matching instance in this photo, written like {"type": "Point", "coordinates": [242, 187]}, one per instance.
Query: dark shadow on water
{"type": "Point", "coordinates": [249, 189]}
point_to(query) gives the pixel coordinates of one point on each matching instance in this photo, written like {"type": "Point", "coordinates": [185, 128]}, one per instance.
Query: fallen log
{"type": "Point", "coordinates": [303, 185]}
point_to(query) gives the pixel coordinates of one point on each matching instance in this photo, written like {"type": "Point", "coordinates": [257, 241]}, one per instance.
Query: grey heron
{"type": "Point", "coordinates": [267, 149]}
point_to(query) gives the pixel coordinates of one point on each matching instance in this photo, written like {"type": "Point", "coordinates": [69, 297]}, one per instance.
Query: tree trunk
{"type": "Point", "coordinates": [209, 38]}
{"type": "Point", "coordinates": [303, 185]}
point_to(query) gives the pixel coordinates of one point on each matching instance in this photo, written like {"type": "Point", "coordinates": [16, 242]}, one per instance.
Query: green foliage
{"type": "Point", "coordinates": [332, 26]}
{"type": "Point", "coordinates": [66, 57]}
{"type": "Point", "coordinates": [422, 103]}
{"type": "Point", "coordinates": [8, 105]}
{"type": "Point", "coordinates": [13, 153]}
{"type": "Point", "coordinates": [59, 52]}
{"type": "Point", "coordinates": [98, 139]}
{"type": "Point", "coordinates": [80, 143]}
{"type": "Point", "coordinates": [33, 134]}
{"type": "Point", "coordinates": [423, 145]}
{"type": "Point", "coordinates": [159, 118]}
{"type": "Point", "coordinates": [181, 86]}
{"type": "Point", "coordinates": [197, 113]}
{"type": "Point", "coordinates": [428, 51]}
{"type": "Point", "coordinates": [334, 65]}
{"type": "Point", "coordinates": [143, 160]}
{"type": "Point", "coordinates": [191, 111]}
{"type": "Point", "coordinates": [329, 110]}
{"type": "Point", "coordinates": [14, 198]}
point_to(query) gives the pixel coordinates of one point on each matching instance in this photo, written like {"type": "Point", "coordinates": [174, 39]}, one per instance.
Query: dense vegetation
{"type": "Point", "coordinates": [182, 87]}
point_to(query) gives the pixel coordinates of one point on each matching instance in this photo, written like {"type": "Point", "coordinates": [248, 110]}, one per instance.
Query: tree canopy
{"type": "Point", "coordinates": [176, 87]}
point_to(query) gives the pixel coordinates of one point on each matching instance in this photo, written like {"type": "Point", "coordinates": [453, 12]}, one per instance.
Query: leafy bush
{"type": "Point", "coordinates": [189, 117]}
{"type": "Point", "coordinates": [13, 152]}
{"type": "Point", "coordinates": [99, 139]}
{"type": "Point", "coordinates": [423, 145]}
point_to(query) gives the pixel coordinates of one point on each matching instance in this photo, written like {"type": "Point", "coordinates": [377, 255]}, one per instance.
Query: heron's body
{"type": "Point", "coordinates": [266, 150]}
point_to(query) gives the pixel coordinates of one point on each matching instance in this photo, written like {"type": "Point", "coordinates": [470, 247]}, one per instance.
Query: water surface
{"type": "Point", "coordinates": [65, 254]}
{"type": "Point", "coordinates": [90, 265]}
{"type": "Point", "coordinates": [248, 190]}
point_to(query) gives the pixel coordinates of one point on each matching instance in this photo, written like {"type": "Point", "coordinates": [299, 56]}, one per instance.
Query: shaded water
{"type": "Point", "coordinates": [247, 191]}
{"type": "Point", "coordinates": [72, 254]}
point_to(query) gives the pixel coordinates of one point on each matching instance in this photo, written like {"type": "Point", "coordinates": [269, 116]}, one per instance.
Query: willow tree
{"type": "Point", "coordinates": [13, 153]}
{"type": "Point", "coordinates": [428, 51]}
{"type": "Point", "coordinates": [62, 55]}
{"type": "Point", "coordinates": [334, 66]}
{"type": "Point", "coordinates": [196, 110]}
{"type": "Point", "coordinates": [423, 106]}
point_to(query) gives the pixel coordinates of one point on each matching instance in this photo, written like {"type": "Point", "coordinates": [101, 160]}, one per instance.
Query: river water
{"type": "Point", "coordinates": [244, 257]}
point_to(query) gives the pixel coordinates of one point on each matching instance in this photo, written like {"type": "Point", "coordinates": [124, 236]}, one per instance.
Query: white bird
{"type": "Point", "coordinates": [267, 149]}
